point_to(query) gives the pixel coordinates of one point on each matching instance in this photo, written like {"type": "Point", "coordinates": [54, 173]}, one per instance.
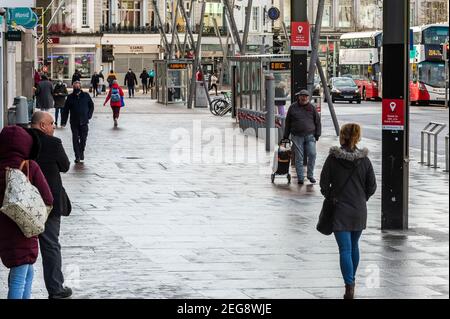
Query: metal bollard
{"type": "Point", "coordinates": [270, 109]}
{"type": "Point", "coordinates": [446, 154]}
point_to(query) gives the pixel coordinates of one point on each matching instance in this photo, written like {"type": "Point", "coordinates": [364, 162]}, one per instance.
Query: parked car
{"type": "Point", "coordinates": [317, 86]}
{"type": "Point", "coordinates": [344, 89]}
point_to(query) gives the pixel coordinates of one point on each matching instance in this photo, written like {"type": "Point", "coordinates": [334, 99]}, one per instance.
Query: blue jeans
{"type": "Point", "coordinates": [58, 110]}
{"type": "Point", "coordinates": [304, 144]}
{"type": "Point", "coordinates": [349, 254]}
{"type": "Point", "coordinates": [19, 282]}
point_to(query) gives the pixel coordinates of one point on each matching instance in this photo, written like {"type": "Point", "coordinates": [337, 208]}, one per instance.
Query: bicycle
{"type": "Point", "coordinates": [221, 106]}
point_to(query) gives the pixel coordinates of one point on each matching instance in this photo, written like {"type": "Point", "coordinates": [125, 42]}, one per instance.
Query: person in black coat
{"type": "Point", "coordinates": [130, 81]}
{"type": "Point", "coordinates": [80, 107]}
{"type": "Point", "coordinates": [52, 160]}
{"type": "Point", "coordinates": [348, 177]}
{"type": "Point", "coordinates": [76, 77]}
{"type": "Point", "coordinates": [95, 80]}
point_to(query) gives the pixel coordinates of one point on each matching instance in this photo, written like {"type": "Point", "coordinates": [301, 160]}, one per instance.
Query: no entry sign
{"type": "Point", "coordinates": [393, 115]}
{"type": "Point", "coordinates": [300, 36]}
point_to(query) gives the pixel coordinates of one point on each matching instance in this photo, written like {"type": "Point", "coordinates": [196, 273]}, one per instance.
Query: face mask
{"type": "Point", "coordinates": [76, 91]}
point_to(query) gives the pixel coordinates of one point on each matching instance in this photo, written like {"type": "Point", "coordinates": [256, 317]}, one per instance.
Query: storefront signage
{"type": "Point", "coordinates": [107, 54]}
{"type": "Point", "coordinates": [280, 66]}
{"type": "Point", "coordinates": [14, 36]}
{"type": "Point", "coordinates": [136, 49]}
{"type": "Point", "coordinates": [177, 66]}
{"type": "Point", "coordinates": [300, 36]}
{"type": "Point", "coordinates": [393, 118]}
{"type": "Point", "coordinates": [53, 41]}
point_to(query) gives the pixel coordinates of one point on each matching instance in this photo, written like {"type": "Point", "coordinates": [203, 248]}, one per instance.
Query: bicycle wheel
{"type": "Point", "coordinates": [221, 107]}
{"type": "Point", "coordinates": [212, 107]}
{"type": "Point", "coordinates": [225, 109]}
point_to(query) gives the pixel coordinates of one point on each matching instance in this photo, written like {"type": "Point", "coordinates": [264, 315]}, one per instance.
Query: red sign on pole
{"type": "Point", "coordinates": [300, 36]}
{"type": "Point", "coordinates": [393, 114]}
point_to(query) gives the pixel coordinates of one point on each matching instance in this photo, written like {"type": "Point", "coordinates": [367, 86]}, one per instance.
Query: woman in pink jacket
{"type": "Point", "coordinates": [115, 96]}
{"type": "Point", "coordinates": [17, 252]}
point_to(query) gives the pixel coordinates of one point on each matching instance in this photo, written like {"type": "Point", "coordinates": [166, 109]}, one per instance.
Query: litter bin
{"type": "Point", "coordinates": [200, 95]}
{"type": "Point", "coordinates": [21, 105]}
{"type": "Point", "coordinates": [12, 115]}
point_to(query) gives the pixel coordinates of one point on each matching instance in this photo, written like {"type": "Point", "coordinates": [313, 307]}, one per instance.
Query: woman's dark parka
{"type": "Point", "coordinates": [351, 208]}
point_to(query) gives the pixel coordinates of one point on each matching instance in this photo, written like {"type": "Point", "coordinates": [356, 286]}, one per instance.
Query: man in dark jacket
{"type": "Point", "coordinates": [304, 126]}
{"type": "Point", "coordinates": [80, 107]}
{"type": "Point", "coordinates": [95, 79]}
{"type": "Point", "coordinates": [76, 77]}
{"type": "Point", "coordinates": [52, 160]}
{"type": "Point", "coordinates": [130, 82]}
{"type": "Point", "coordinates": [44, 93]}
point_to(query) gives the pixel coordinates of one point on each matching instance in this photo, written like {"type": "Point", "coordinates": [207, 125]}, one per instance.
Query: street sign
{"type": "Point", "coordinates": [32, 23]}
{"type": "Point", "coordinates": [393, 118]}
{"type": "Point", "coordinates": [19, 16]}
{"type": "Point", "coordinates": [273, 13]}
{"type": "Point", "coordinates": [300, 36]}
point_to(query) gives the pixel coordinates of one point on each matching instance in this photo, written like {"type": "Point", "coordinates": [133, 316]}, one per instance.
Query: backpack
{"type": "Point", "coordinates": [115, 95]}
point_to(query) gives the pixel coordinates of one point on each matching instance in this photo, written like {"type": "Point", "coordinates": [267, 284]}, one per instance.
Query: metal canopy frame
{"type": "Point", "coordinates": [251, 91]}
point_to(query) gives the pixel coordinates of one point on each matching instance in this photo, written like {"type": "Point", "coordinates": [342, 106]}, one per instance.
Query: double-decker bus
{"type": "Point", "coordinates": [359, 58]}
{"type": "Point", "coordinates": [427, 64]}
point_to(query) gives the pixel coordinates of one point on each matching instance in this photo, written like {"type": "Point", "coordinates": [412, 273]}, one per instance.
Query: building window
{"type": "Point", "coordinates": [84, 13]}
{"type": "Point", "coordinates": [105, 13]}
{"type": "Point", "coordinates": [345, 13]}
{"type": "Point", "coordinates": [129, 13]}
{"type": "Point", "coordinates": [213, 11]}
{"type": "Point", "coordinates": [368, 14]}
{"type": "Point", "coordinates": [255, 19]}
{"type": "Point", "coordinates": [327, 14]}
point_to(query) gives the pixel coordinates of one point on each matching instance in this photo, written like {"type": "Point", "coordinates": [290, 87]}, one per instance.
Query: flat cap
{"type": "Point", "coordinates": [302, 92]}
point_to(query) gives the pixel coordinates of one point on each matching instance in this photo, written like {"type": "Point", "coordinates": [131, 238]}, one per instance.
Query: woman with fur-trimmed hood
{"type": "Point", "coordinates": [348, 162]}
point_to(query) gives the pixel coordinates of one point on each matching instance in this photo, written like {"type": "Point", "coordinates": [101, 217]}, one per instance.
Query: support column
{"type": "Point", "coordinates": [298, 58]}
{"type": "Point", "coordinates": [395, 110]}
{"type": "Point", "coordinates": [28, 48]}
{"type": "Point", "coordinates": [144, 11]}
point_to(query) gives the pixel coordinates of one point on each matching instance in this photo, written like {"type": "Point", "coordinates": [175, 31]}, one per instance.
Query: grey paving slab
{"type": "Point", "coordinates": [146, 224]}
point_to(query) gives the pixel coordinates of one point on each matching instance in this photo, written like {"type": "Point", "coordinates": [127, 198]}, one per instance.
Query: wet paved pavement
{"type": "Point", "coordinates": [146, 226]}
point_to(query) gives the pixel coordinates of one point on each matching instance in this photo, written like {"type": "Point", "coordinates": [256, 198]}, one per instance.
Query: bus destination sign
{"type": "Point", "coordinates": [177, 66]}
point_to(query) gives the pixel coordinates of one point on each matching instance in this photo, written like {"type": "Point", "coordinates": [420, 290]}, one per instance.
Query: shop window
{"type": "Point", "coordinates": [85, 64]}
{"type": "Point", "coordinates": [60, 63]}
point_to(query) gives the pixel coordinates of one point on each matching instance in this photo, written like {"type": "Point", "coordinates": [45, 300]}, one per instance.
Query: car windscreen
{"type": "Point", "coordinates": [344, 82]}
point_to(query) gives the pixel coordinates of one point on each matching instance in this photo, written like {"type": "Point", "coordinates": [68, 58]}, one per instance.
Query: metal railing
{"type": "Point", "coordinates": [128, 29]}
{"type": "Point", "coordinates": [432, 129]}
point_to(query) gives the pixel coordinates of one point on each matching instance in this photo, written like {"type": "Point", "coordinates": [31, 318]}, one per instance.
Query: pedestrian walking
{"type": "Point", "coordinates": [111, 77]}
{"type": "Point", "coordinates": [144, 80]}
{"type": "Point", "coordinates": [79, 107]}
{"type": "Point", "coordinates": [280, 93]}
{"type": "Point", "coordinates": [130, 82]}
{"type": "Point", "coordinates": [17, 252]}
{"type": "Point", "coordinates": [348, 172]}
{"type": "Point", "coordinates": [76, 77]}
{"type": "Point", "coordinates": [101, 83]}
{"type": "Point", "coordinates": [59, 96]}
{"type": "Point", "coordinates": [304, 126]}
{"type": "Point", "coordinates": [115, 96]}
{"type": "Point", "coordinates": [95, 80]}
{"type": "Point", "coordinates": [37, 78]}
{"type": "Point", "coordinates": [151, 77]}
{"type": "Point", "coordinates": [44, 94]}
{"type": "Point", "coordinates": [52, 160]}
{"type": "Point", "coordinates": [214, 80]}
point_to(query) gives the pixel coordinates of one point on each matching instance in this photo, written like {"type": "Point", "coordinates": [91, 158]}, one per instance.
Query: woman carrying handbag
{"type": "Point", "coordinates": [347, 181]}
{"type": "Point", "coordinates": [17, 252]}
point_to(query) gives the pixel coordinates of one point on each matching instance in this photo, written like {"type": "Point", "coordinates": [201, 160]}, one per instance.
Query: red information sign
{"type": "Point", "coordinates": [300, 36]}
{"type": "Point", "coordinates": [393, 114]}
